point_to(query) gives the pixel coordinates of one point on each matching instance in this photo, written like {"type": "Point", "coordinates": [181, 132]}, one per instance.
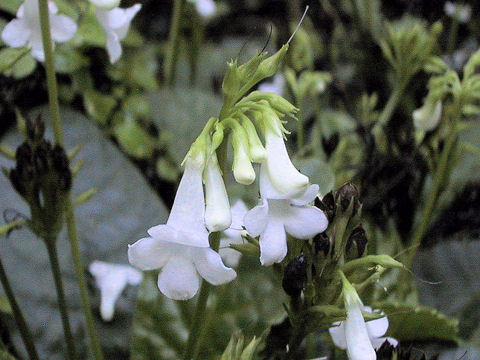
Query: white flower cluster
{"type": "Point", "coordinates": [180, 248]}
{"type": "Point", "coordinates": [25, 30]}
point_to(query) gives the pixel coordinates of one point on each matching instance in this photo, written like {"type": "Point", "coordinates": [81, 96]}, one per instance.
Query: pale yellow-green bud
{"type": "Point", "coordinates": [276, 101]}
{"type": "Point", "coordinates": [242, 167]}
{"type": "Point", "coordinates": [256, 148]}
{"type": "Point", "coordinates": [106, 4]}
{"type": "Point", "coordinates": [270, 66]}
{"type": "Point", "coordinates": [250, 67]}
{"type": "Point", "coordinates": [217, 137]}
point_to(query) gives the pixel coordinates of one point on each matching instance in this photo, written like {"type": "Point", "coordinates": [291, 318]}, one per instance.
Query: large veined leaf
{"type": "Point", "coordinates": [252, 302]}
{"type": "Point", "coordinates": [116, 216]}
{"type": "Point", "coordinates": [413, 322]}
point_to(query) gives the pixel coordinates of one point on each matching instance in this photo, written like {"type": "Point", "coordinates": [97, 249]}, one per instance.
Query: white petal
{"type": "Point", "coordinates": [337, 332]}
{"type": "Point", "coordinates": [283, 175]}
{"type": "Point", "coordinates": [106, 4]}
{"type": "Point", "coordinates": [30, 11]}
{"type": "Point", "coordinates": [63, 28]}
{"type": "Point", "coordinates": [178, 279]}
{"type": "Point", "coordinates": [35, 43]}
{"type": "Point", "coordinates": [307, 196]}
{"type": "Point", "coordinates": [149, 253]}
{"type": "Point", "coordinates": [275, 86]}
{"type": "Point", "coordinates": [239, 210]}
{"type": "Point", "coordinates": [377, 328]}
{"type": "Point", "coordinates": [273, 243]}
{"type": "Point", "coordinates": [16, 33]}
{"type": "Point", "coordinates": [114, 48]}
{"type": "Point", "coordinates": [210, 266]}
{"type": "Point", "coordinates": [118, 18]}
{"type": "Point", "coordinates": [359, 346]}
{"type": "Point", "coordinates": [205, 8]}
{"type": "Point", "coordinates": [230, 257]}
{"type": "Point", "coordinates": [256, 219]}
{"type": "Point", "coordinates": [217, 212]}
{"type": "Point", "coordinates": [134, 277]}
{"type": "Point", "coordinates": [305, 222]}
{"type": "Point", "coordinates": [378, 342]}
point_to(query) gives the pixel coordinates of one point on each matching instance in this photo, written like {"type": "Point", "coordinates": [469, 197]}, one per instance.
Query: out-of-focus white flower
{"type": "Point", "coordinates": [116, 23]}
{"type": "Point", "coordinates": [25, 30]}
{"type": "Point", "coordinates": [461, 12]}
{"type": "Point", "coordinates": [180, 248]}
{"type": "Point", "coordinates": [428, 116]}
{"type": "Point", "coordinates": [112, 279]}
{"type": "Point", "coordinates": [217, 213]}
{"type": "Point", "coordinates": [206, 8]}
{"type": "Point", "coordinates": [233, 235]}
{"type": "Point", "coordinates": [279, 214]}
{"type": "Point", "coordinates": [276, 85]}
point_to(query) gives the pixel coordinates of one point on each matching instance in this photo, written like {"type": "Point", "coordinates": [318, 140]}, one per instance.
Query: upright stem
{"type": "Point", "coordinates": [18, 315]}
{"type": "Point", "coordinates": [173, 42]}
{"type": "Point", "coordinates": [62, 304]}
{"type": "Point", "coordinates": [392, 103]}
{"type": "Point", "coordinates": [452, 36]}
{"type": "Point", "coordinates": [200, 310]}
{"type": "Point", "coordinates": [70, 218]}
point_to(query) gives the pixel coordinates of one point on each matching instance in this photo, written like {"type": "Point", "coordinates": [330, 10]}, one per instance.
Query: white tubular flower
{"type": "Point", "coordinates": [206, 8]}
{"type": "Point", "coordinates": [25, 29]}
{"type": "Point", "coordinates": [285, 178]}
{"type": "Point", "coordinates": [276, 85]}
{"type": "Point", "coordinates": [116, 23]}
{"type": "Point", "coordinates": [217, 213]}
{"type": "Point", "coordinates": [180, 248]}
{"type": "Point", "coordinates": [274, 217]}
{"type": "Point", "coordinates": [428, 116]}
{"type": "Point", "coordinates": [242, 167]}
{"type": "Point", "coordinates": [376, 330]}
{"type": "Point", "coordinates": [233, 235]}
{"type": "Point", "coordinates": [112, 279]}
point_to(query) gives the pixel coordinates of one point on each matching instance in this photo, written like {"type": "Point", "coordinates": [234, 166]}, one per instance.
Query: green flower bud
{"type": "Point", "coordinates": [232, 80]}
{"type": "Point", "coordinates": [247, 70]}
{"type": "Point", "coordinates": [217, 137]}
{"type": "Point", "coordinates": [277, 102]}
{"type": "Point", "coordinates": [270, 66]}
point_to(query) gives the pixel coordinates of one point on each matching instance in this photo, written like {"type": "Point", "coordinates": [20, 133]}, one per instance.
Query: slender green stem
{"type": "Point", "coordinates": [392, 104]}
{"type": "Point", "coordinates": [173, 42]}
{"type": "Point", "coordinates": [50, 69]}
{"type": "Point", "coordinates": [200, 310]}
{"type": "Point", "coordinates": [62, 304]}
{"type": "Point", "coordinates": [452, 36]}
{"type": "Point", "coordinates": [70, 217]}
{"type": "Point", "coordinates": [78, 263]}
{"type": "Point", "coordinates": [18, 315]}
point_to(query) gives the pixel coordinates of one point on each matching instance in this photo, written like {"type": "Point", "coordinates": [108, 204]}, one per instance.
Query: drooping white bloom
{"type": "Point", "coordinates": [278, 214]}
{"type": "Point", "coordinates": [116, 23]}
{"type": "Point", "coordinates": [112, 279]}
{"type": "Point", "coordinates": [180, 248]}
{"type": "Point", "coordinates": [461, 12]}
{"type": "Point", "coordinates": [217, 214]}
{"type": "Point", "coordinates": [233, 235]}
{"type": "Point", "coordinates": [376, 330]}
{"type": "Point", "coordinates": [428, 116]}
{"type": "Point", "coordinates": [276, 85]}
{"type": "Point", "coordinates": [25, 30]}
{"type": "Point", "coordinates": [206, 8]}
{"type": "Point", "coordinates": [285, 178]}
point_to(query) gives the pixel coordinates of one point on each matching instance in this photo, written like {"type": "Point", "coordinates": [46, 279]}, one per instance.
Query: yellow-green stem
{"type": "Point", "coordinates": [70, 218]}
{"type": "Point", "coordinates": [173, 42]}
{"type": "Point", "coordinates": [391, 105]}
{"type": "Point", "coordinates": [18, 315]}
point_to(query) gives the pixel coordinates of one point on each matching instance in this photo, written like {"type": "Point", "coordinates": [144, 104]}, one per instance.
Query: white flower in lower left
{"type": "Point", "coordinates": [180, 248]}
{"type": "Point", "coordinates": [112, 279]}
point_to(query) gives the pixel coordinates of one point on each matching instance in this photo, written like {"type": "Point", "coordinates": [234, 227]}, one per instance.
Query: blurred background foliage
{"type": "Point", "coordinates": [338, 72]}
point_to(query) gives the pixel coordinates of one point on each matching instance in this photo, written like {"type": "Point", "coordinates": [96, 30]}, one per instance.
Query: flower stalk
{"type": "Point", "coordinates": [69, 216]}
{"type": "Point", "coordinates": [174, 42]}
{"type": "Point", "coordinates": [18, 315]}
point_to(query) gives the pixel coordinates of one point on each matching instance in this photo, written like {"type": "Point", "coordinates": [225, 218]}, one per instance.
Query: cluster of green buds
{"type": "Point", "coordinates": [42, 177]}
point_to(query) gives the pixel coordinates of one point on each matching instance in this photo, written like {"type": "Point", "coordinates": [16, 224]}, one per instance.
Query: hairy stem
{"type": "Point", "coordinates": [70, 218]}
{"type": "Point", "coordinates": [18, 316]}
{"type": "Point", "coordinates": [62, 304]}
{"type": "Point", "coordinates": [173, 42]}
